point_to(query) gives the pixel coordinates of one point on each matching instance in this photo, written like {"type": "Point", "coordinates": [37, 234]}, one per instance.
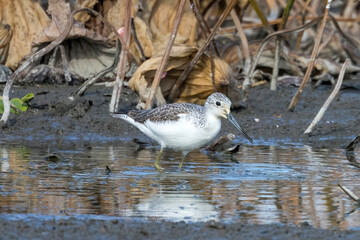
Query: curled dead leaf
{"type": "Point", "coordinates": [26, 26]}
{"type": "Point", "coordinates": [197, 87]}
{"type": "Point", "coordinates": [5, 37]}
{"type": "Point", "coordinates": [87, 51]}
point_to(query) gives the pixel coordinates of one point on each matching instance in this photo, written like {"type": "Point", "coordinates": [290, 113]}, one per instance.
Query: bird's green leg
{"type": "Point", "coordinates": [156, 164]}
{"type": "Point", "coordinates": [182, 159]}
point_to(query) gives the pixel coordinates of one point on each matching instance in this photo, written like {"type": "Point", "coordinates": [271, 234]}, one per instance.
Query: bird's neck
{"type": "Point", "coordinates": [212, 117]}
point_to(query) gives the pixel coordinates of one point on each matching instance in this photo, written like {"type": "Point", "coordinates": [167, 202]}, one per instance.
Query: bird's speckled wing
{"type": "Point", "coordinates": [168, 112]}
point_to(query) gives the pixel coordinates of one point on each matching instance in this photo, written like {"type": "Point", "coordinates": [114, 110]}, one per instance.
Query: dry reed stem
{"type": "Point", "coordinates": [277, 21]}
{"type": "Point", "coordinates": [275, 72]}
{"type": "Point", "coordinates": [175, 89]}
{"type": "Point", "coordinates": [303, 17]}
{"type": "Point", "coordinates": [351, 41]}
{"type": "Point", "coordinates": [65, 64]}
{"type": "Point", "coordinates": [81, 90]}
{"type": "Point", "coordinates": [206, 31]}
{"type": "Point", "coordinates": [212, 73]}
{"type": "Point", "coordinates": [202, 23]}
{"type": "Point", "coordinates": [330, 98]}
{"type": "Point", "coordinates": [137, 42]}
{"type": "Point", "coordinates": [312, 59]}
{"type": "Point", "coordinates": [261, 15]}
{"type": "Point", "coordinates": [265, 41]}
{"type": "Point", "coordinates": [160, 70]}
{"type": "Point", "coordinates": [243, 39]}
{"type": "Point", "coordinates": [350, 193]}
{"type": "Point", "coordinates": [306, 8]}
{"type": "Point", "coordinates": [119, 81]}
{"type": "Point", "coordinates": [351, 147]}
{"type": "Point", "coordinates": [327, 40]}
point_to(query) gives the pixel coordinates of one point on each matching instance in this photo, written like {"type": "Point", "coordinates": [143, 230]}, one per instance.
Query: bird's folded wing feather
{"type": "Point", "coordinates": [169, 112]}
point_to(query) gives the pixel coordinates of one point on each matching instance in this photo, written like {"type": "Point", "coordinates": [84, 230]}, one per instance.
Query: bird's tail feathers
{"type": "Point", "coordinates": [124, 117]}
{"type": "Point", "coordinates": [119, 115]}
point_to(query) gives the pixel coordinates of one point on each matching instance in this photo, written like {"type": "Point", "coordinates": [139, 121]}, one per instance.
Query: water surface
{"type": "Point", "coordinates": [259, 184]}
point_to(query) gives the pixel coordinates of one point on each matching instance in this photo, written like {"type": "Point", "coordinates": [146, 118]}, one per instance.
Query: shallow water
{"type": "Point", "coordinates": [259, 184]}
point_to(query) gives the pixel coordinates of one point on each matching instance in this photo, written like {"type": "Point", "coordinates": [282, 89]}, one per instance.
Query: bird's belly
{"type": "Point", "coordinates": [183, 135]}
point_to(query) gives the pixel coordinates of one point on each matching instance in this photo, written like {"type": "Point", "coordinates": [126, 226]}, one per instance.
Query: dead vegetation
{"type": "Point", "coordinates": [179, 51]}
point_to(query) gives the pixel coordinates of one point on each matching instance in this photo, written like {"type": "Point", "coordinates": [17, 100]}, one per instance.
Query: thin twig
{"type": "Point", "coordinates": [347, 38]}
{"type": "Point", "coordinates": [303, 17]}
{"type": "Point", "coordinates": [265, 41]}
{"type": "Point", "coordinates": [330, 98]}
{"type": "Point", "coordinates": [65, 64]}
{"type": "Point", "coordinates": [261, 15]}
{"type": "Point", "coordinates": [206, 31]}
{"type": "Point", "coordinates": [202, 23]}
{"type": "Point", "coordinates": [350, 193]}
{"type": "Point", "coordinates": [116, 93]}
{"type": "Point", "coordinates": [212, 73]}
{"type": "Point", "coordinates": [81, 90]}
{"type": "Point", "coordinates": [275, 72]}
{"type": "Point", "coordinates": [133, 30]}
{"type": "Point", "coordinates": [312, 59]}
{"type": "Point", "coordinates": [175, 89]}
{"type": "Point", "coordinates": [277, 21]}
{"type": "Point", "coordinates": [326, 41]}
{"type": "Point", "coordinates": [353, 144]}
{"type": "Point", "coordinates": [243, 39]}
{"type": "Point", "coordinates": [160, 70]}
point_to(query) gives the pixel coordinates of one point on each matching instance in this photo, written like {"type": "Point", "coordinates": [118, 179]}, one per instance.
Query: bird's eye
{"type": "Point", "coordinates": [218, 103]}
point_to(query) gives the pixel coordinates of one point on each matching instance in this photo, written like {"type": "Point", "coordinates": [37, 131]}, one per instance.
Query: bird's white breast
{"type": "Point", "coordinates": [184, 134]}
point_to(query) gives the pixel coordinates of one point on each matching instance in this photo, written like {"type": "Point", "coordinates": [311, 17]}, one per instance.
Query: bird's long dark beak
{"type": "Point", "coordinates": [234, 122]}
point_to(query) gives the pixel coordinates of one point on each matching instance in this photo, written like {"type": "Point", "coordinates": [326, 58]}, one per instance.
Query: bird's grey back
{"type": "Point", "coordinates": [168, 112]}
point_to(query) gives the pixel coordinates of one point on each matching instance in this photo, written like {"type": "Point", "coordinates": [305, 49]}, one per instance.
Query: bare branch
{"type": "Point", "coordinates": [175, 89]}
{"type": "Point", "coordinates": [314, 54]}
{"type": "Point", "coordinates": [350, 193]}
{"type": "Point", "coordinates": [330, 99]}
{"type": "Point", "coordinates": [81, 90]}
{"type": "Point", "coordinates": [160, 70]}
{"type": "Point", "coordinates": [115, 97]}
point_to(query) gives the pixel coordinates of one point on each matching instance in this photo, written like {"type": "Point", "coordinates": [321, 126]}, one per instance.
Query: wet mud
{"type": "Point", "coordinates": [56, 114]}
{"type": "Point", "coordinates": [42, 227]}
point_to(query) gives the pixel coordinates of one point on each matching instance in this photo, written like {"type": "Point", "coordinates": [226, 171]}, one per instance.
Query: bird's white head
{"type": "Point", "coordinates": [219, 104]}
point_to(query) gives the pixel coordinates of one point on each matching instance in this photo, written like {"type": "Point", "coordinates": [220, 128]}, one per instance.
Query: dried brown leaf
{"type": "Point", "coordinates": [59, 11]}
{"type": "Point", "coordinates": [162, 19]}
{"type": "Point", "coordinates": [5, 37]}
{"type": "Point", "coordinates": [27, 19]}
{"type": "Point", "coordinates": [83, 16]}
{"type": "Point", "coordinates": [197, 87]}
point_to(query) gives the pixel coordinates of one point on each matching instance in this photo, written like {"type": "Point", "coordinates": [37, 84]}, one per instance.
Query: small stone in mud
{"type": "Point", "coordinates": [80, 109]}
{"type": "Point", "coordinates": [53, 157]}
{"type": "Point", "coordinates": [216, 225]}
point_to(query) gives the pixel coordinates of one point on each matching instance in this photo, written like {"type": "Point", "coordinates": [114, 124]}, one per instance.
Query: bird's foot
{"type": "Point", "coordinates": [180, 166]}
{"type": "Point", "coordinates": [158, 167]}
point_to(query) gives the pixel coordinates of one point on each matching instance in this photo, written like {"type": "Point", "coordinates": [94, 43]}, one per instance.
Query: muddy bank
{"type": "Point", "coordinates": [91, 227]}
{"type": "Point", "coordinates": [55, 120]}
